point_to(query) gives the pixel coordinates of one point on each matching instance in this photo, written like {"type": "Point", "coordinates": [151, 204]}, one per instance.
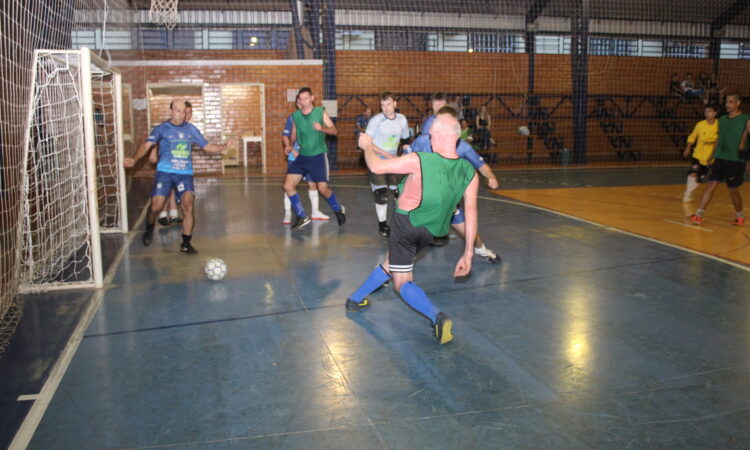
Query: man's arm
{"type": "Point", "coordinates": [217, 148]}
{"type": "Point", "coordinates": [486, 172]}
{"type": "Point", "coordinates": [402, 165]}
{"type": "Point", "coordinates": [140, 153]}
{"type": "Point", "coordinates": [463, 266]}
{"type": "Point", "coordinates": [329, 128]}
{"type": "Point", "coordinates": [691, 140]}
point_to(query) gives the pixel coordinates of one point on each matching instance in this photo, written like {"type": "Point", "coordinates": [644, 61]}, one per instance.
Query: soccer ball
{"type": "Point", "coordinates": [215, 269]}
{"type": "Point", "coordinates": [523, 131]}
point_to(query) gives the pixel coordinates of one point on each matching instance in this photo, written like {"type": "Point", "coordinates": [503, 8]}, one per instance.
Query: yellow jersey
{"type": "Point", "coordinates": [705, 135]}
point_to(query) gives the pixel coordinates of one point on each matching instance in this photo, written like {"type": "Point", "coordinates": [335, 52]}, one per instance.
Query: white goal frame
{"type": "Point", "coordinates": [88, 66]}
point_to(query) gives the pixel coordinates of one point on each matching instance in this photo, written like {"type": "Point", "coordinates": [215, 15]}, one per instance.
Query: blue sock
{"type": "Point", "coordinates": [297, 205]}
{"type": "Point", "coordinates": [375, 280]}
{"type": "Point", "coordinates": [332, 201]}
{"type": "Point", "coordinates": [415, 297]}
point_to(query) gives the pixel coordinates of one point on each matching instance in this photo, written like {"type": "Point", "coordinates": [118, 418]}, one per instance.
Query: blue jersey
{"type": "Point", "coordinates": [427, 124]}
{"type": "Point", "coordinates": [288, 127]}
{"type": "Point", "coordinates": [464, 150]}
{"type": "Point", "coordinates": [175, 146]}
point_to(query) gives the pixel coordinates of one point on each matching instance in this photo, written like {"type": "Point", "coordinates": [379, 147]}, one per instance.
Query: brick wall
{"type": "Point", "coordinates": [217, 116]}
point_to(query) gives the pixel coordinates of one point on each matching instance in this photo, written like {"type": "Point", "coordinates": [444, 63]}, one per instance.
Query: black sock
{"type": "Point", "coordinates": [150, 227]}
{"type": "Point", "coordinates": [186, 238]}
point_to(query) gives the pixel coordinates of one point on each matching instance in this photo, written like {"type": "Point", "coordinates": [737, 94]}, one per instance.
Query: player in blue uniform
{"type": "Point", "coordinates": [465, 151]}
{"type": "Point", "coordinates": [174, 169]}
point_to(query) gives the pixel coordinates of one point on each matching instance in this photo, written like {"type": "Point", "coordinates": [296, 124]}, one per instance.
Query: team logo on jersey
{"type": "Point", "coordinates": [181, 135]}
{"type": "Point", "coordinates": [159, 185]}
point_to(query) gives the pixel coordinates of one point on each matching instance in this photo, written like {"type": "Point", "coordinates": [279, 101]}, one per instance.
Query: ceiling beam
{"type": "Point", "coordinates": [730, 13]}
{"type": "Point", "coordinates": [535, 9]}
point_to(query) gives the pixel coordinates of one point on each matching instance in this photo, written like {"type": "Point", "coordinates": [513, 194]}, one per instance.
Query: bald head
{"type": "Point", "coordinates": [177, 112]}
{"type": "Point", "coordinates": [444, 134]}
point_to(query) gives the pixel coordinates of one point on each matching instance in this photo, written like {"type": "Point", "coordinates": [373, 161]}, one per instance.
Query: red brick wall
{"type": "Point", "coordinates": [215, 117]}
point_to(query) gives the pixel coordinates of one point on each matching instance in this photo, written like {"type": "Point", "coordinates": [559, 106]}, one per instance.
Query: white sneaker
{"type": "Point", "coordinates": [488, 254]}
{"type": "Point", "coordinates": [317, 215]}
{"type": "Point", "coordinates": [287, 217]}
{"type": "Point", "coordinates": [686, 197]}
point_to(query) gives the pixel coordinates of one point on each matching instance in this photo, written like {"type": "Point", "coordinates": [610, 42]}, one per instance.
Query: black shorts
{"type": "Point", "coordinates": [697, 168]}
{"type": "Point", "coordinates": [405, 242]}
{"type": "Point", "coordinates": [732, 172]}
{"type": "Point", "coordinates": [378, 181]}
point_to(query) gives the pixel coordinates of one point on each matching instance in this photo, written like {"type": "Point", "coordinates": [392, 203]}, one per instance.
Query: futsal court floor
{"type": "Point", "coordinates": [610, 323]}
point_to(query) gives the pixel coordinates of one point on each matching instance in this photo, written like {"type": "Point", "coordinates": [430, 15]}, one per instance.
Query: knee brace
{"type": "Point", "coordinates": [381, 196]}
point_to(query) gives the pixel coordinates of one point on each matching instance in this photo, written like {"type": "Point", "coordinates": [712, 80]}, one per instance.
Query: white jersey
{"type": "Point", "coordinates": [387, 133]}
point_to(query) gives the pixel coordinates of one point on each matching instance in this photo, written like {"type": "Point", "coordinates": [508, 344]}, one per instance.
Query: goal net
{"type": "Point", "coordinates": [73, 181]}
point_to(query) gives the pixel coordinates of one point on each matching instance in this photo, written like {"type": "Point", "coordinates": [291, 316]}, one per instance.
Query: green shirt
{"type": "Point", "coordinates": [311, 141]}
{"type": "Point", "coordinates": [443, 184]}
{"type": "Point", "coordinates": [730, 134]}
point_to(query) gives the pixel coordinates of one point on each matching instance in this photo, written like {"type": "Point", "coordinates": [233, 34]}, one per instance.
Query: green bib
{"type": "Point", "coordinates": [443, 184]}
{"type": "Point", "coordinates": [311, 141]}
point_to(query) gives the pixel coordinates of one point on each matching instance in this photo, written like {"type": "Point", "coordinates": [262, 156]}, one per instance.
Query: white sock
{"type": "Point", "coordinates": [287, 203]}
{"type": "Point", "coordinates": [692, 184]}
{"type": "Point", "coordinates": [162, 214]}
{"type": "Point", "coordinates": [381, 211]}
{"type": "Point", "coordinates": [480, 250]}
{"type": "Point", "coordinates": [314, 200]}
{"type": "Point", "coordinates": [173, 213]}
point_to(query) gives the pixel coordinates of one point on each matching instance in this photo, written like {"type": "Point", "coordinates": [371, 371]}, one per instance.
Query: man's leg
{"type": "Point", "coordinates": [157, 204]}
{"type": "Point", "coordinates": [332, 202]}
{"type": "Point", "coordinates": [697, 218]}
{"type": "Point", "coordinates": [312, 192]}
{"type": "Point", "coordinates": [417, 299]}
{"type": "Point", "coordinates": [186, 203]}
{"type": "Point", "coordinates": [174, 216]}
{"type": "Point", "coordinates": [734, 194]}
{"type": "Point", "coordinates": [290, 187]}
{"type": "Point", "coordinates": [480, 249]}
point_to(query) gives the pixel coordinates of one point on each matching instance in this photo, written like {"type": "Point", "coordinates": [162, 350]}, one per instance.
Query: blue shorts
{"type": "Point", "coordinates": [314, 166]}
{"type": "Point", "coordinates": [458, 216]}
{"type": "Point", "coordinates": [289, 164]}
{"type": "Point", "coordinates": [165, 182]}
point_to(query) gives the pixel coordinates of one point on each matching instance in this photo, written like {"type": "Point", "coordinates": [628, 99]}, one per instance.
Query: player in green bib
{"type": "Point", "coordinates": [435, 183]}
{"type": "Point", "coordinates": [729, 160]}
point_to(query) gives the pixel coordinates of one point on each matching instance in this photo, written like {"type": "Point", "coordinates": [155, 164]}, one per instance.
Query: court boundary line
{"type": "Point", "coordinates": [44, 397]}
{"type": "Point", "coordinates": [629, 233]}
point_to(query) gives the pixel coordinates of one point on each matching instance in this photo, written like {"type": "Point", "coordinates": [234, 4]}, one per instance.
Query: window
{"type": "Point", "coordinates": [355, 40]}
{"type": "Point", "coordinates": [613, 47]}
{"type": "Point", "coordinates": [401, 40]}
{"type": "Point", "coordinates": [496, 43]}
{"type": "Point", "coordinates": [674, 49]}
{"type": "Point", "coordinates": [553, 45]}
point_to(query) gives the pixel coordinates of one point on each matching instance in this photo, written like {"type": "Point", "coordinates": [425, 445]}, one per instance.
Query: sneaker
{"type": "Point", "coordinates": [489, 255]}
{"type": "Point", "coordinates": [442, 328]}
{"type": "Point", "coordinates": [696, 219]}
{"type": "Point", "coordinates": [175, 220]}
{"type": "Point", "coordinates": [738, 221]}
{"type": "Point", "coordinates": [353, 306]}
{"type": "Point", "coordinates": [383, 229]}
{"type": "Point", "coordinates": [187, 248]}
{"type": "Point", "coordinates": [148, 236]}
{"type": "Point", "coordinates": [318, 215]}
{"type": "Point", "coordinates": [686, 197]}
{"type": "Point", "coordinates": [163, 221]}
{"type": "Point", "coordinates": [287, 217]}
{"type": "Point", "coordinates": [341, 216]}
{"type": "Point", "coordinates": [301, 222]}
{"type": "Point", "coordinates": [439, 241]}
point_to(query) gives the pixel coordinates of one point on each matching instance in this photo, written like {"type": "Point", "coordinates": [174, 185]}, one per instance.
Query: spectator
{"type": "Point", "coordinates": [482, 134]}
{"type": "Point", "coordinates": [360, 123]}
{"type": "Point", "coordinates": [456, 104]}
{"type": "Point", "coordinates": [715, 93]}
{"type": "Point", "coordinates": [689, 89]}
{"type": "Point", "coordinates": [675, 87]}
{"type": "Point", "coordinates": [466, 131]}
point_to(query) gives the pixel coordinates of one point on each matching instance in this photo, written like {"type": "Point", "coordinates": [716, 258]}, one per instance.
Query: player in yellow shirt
{"type": "Point", "coordinates": [704, 137]}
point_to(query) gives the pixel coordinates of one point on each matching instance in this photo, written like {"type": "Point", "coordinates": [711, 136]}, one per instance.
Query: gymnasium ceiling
{"type": "Point", "coordinates": [695, 11]}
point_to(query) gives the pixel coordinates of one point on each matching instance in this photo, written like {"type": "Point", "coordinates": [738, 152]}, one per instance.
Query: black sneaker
{"type": "Point", "coordinates": [185, 247]}
{"type": "Point", "coordinates": [301, 221]}
{"type": "Point", "coordinates": [341, 216]}
{"type": "Point", "coordinates": [175, 220]}
{"type": "Point", "coordinates": [163, 221]}
{"type": "Point", "coordinates": [353, 306]}
{"type": "Point", "coordinates": [383, 229]}
{"type": "Point", "coordinates": [442, 328]}
{"type": "Point", "coordinates": [148, 236]}
{"type": "Point", "coordinates": [439, 241]}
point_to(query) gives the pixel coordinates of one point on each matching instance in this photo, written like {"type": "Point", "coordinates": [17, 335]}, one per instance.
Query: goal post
{"type": "Point", "coordinates": [73, 182]}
